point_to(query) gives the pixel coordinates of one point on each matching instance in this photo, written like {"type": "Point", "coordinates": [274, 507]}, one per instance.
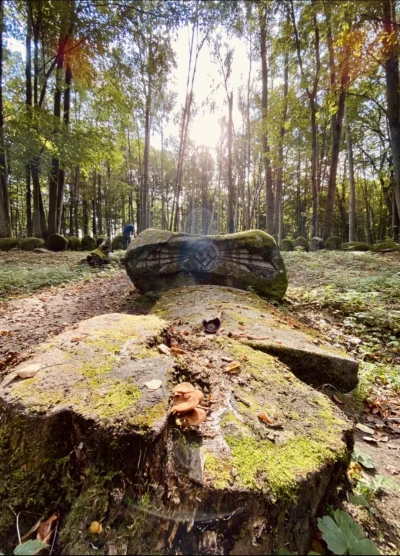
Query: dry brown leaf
{"type": "Point", "coordinates": [162, 348]}
{"type": "Point", "coordinates": [185, 332]}
{"type": "Point", "coordinates": [337, 399]}
{"type": "Point", "coordinates": [45, 528]}
{"type": "Point", "coordinates": [31, 530]}
{"type": "Point", "coordinates": [251, 337]}
{"type": "Point", "coordinates": [265, 419]}
{"type": "Point", "coordinates": [178, 351]}
{"type": "Point", "coordinates": [365, 429]}
{"type": "Point", "coordinates": [233, 367]}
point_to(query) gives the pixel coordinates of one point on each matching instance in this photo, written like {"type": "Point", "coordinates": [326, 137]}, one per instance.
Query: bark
{"type": "Point", "coordinates": [28, 76]}
{"type": "Point", "coordinates": [144, 217]}
{"type": "Point", "coordinates": [336, 125]}
{"type": "Point", "coordinates": [352, 201]}
{"type": "Point", "coordinates": [264, 108]}
{"type": "Point", "coordinates": [231, 193]}
{"type": "Point", "coordinates": [279, 178]}
{"type": "Point", "coordinates": [99, 206]}
{"type": "Point", "coordinates": [66, 119]}
{"type": "Point", "coordinates": [5, 213]}
{"type": "Point", "coordinates": [392, 92]}
{"type": "Point", "coordinates": [53, 219]}
{"type": "Point", "coordinates": [94, 227]}
{"type": "Point", "coordinates": [312, 94]}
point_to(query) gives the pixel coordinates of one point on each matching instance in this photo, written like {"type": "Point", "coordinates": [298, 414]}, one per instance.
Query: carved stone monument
{"type": "Point", "coordinates": [158, 260]}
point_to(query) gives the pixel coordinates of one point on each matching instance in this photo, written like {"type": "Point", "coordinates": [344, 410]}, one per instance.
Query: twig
{"type": "Point", "coordinates": [18, 533]}
{"type": "Point", "coordinates": [54, 538]}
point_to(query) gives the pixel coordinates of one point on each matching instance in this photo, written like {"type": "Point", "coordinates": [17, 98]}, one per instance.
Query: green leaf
{"type": "Point", "coordinates": [363, 546]}
{"type": "Point", "coordinates": [30, 548]}
{"type": "Point", "coordinates": [382, 482]}
{"type": "Point", "coordinates": [332, 535]}
{"type": "Point", "coordinates": [359, 500]}
{"type": "Point", "coordinates": [283, 552]}
{"type": "Point", "coordinates": [363, 459]}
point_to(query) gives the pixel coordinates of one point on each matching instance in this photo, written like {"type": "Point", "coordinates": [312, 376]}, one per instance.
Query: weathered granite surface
{"type": "Point", "coordinates": [158, 260]}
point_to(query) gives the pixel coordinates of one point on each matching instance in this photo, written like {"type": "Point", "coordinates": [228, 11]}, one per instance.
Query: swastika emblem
{"type": "Point", "coordinates": [204, 256]}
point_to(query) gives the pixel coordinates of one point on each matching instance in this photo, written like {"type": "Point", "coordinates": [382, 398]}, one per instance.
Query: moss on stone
{"type": "Point", "coordinates": [88, 243]}
{"type": "Point", "coordinates": [31, 243]}
{"type": "Point", "coordinates": [7, 243]}
{"type": "Point", "coordinates": [218, 470]}
{"type": "Point", "coordinates": [151, 415]}
{"type": "Point", "coordinates": [262, 464]}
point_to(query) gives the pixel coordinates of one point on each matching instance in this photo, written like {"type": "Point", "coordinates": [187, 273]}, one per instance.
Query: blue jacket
{"type": "Point", "coordinates": [129, 229]}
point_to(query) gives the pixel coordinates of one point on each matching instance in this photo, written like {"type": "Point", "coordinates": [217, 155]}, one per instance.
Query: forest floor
{"type": "Point", "coordinates": [352, 298]}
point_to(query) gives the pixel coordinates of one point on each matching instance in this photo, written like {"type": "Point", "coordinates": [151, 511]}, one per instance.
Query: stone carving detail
{"type": "Point", "coordinates": [204, 256]}
{"type": "Point", "coordinates": [158, 260]}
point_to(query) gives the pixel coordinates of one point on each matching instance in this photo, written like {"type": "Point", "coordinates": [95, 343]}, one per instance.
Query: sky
{"type": "Point", "coordinates": [204, 127]}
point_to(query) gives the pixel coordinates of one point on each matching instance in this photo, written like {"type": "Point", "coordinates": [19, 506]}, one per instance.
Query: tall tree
{"type": "Point", "coordinates": [5, 214]}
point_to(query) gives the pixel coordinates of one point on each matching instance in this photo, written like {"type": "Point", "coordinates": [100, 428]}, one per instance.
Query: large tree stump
{"type": "Point", "coordinates": [87, 437]}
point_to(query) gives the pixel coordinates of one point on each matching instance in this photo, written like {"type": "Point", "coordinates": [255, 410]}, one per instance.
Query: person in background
{"type": "Point", "coordinates": [127, 234]}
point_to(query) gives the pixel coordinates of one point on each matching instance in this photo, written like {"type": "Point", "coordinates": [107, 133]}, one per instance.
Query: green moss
{"type": "Point", "coordinates": [31, 243]}
{"type": "Point", "coordinates": [151, 415]}
{"type": "Point", "coordinates": [88, 243]}
{"type": "Point", "coordinates": [333, 243]}
{"type": "Point", "coordinates": [117, 243]}
{"type": "Point", "coordinates": [261, 463]}
{"type": "Point", "coordinates": [218, 469]}
{"type": "Point", "coordinates": [301, 243]}
{"type": "Point", "coordinates": [74, 243]}
{"type": "Point", "coordinates": [389, 244]}
{"type": "Point", "coordinates": [7, 243]}
{"type": "Point", "coordinates": [287, 245]}
{"type": "Point", "coordinates": [57, 242]}
{"type": "Point", "coordinates": [354, 246]}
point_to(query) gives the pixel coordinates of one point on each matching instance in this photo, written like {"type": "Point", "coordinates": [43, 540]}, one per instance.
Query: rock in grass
{"type": "Point", "coordinates": [333, 243]}
{"type": "Point", "coordinates": [8, 243]}
{"type": "Point", "coordinates": [316, 244]}
{"type": "Point", "coordinates": [57, 242]}
{"type": "Point", "coordinates": [301, 244]}
{"type": "Point", "coordinates": [157, 261]}
{"type": "Point", "coordinates": [388, 245]}
{"type": "Point", "coordinates": [88, 243]}
{"type": "Point", "coordinates": [117, 243]}
{"type": "Point", "coordinates": [31, 243]}
{"type": "Point", "coordinates": [354, 246]}
{"type": "Point", "coordinates": [87, 432]}
{"type": "Point", "coordinates": [287, 245]}
{"type": "Point", "coordinates": [74, 243]}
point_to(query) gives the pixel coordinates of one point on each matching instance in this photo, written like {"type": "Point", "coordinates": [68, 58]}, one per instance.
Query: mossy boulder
{"type": "Point", "coordinates": [287, 245]}
{"type": "Point", "coordinates": [7, 243]}
{"type": "Point", "coordinates": [354, 246]}
{"type": "Point", "coordinates": [117, 243]}
{"type": "Point", "coordinates": [87, 431]}
{"type": "Point", "coordinates": [333, 243]}
{"type": "Point", "coordinates": [31, 243]}
{"type": "Point", "coordinates": [388, 245]}
{"type": "Point", "coordinates": [88, 243]}
{"type": "Point", "coordinates": [100, 240]}
{"type": "Point", "coordinates": [57, 242]}
{"type": "Point", "coordinates": [301, 244]}
{"type": "Point", "coordinates": [74, 243]}
{"type": "Point", "coordinates": [316, 244]}
{"type": "Point", "coordinates": [158, 260]}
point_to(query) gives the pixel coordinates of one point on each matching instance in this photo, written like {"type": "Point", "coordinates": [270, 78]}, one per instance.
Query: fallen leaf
{"type": "Point", "coordinates": [365, 429]}
{"type": "Point", "coordinates": [265, 419]}
{"type": "Point", "coordinates": [45, 529]}
{"type": "Point", "coordinates": [29, 371]}
{"type": "Point", "coordinates": [185, 332]}
{"type": "Point", "coordinates": [96, 528]}
{"type": "Point", "coordinates": [251, 337]}
{"type": "Point", "coordinates": [162, 348]}
{"type": "Point", "coordinates": [178, 351]}
{"type": "Point", "coordinates": [153, 384]}
{"type": "Point", "coordinates": [233, 367]}
{"type": "Point", "coordinates": [31, 530]}
{"type": "Point", "coordinates": [337, 399]}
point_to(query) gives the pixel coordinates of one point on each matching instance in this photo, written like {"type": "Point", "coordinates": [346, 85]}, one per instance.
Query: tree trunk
{"type": "Point", "coordinates": [54, 217]}
{"type": "Point", "coordinates": [28, 76]}
{"type": "Point", "coordinates": [279, 177]}
{"type": "Point", "coordinates": [144, 218]}
{"type": "Point", "coordinates": [94, 227]}
{"type": "Point", "coordinates": [352, 202]}
{"type": "Point", "coordinates": [5, 213]}
{"type": "Point", "coordinates": [269, 208]}
{"type": "Point", "coordinates": [99, 206]}
{"type": "Point", "coordinates": [392, 92]}
{"type": "Point", "coordinates": [66, 118]}
{"type": "Point", "coordinates": [231, 193]}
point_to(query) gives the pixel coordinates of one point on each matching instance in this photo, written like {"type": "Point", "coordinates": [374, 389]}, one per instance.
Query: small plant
{"type": "Point", "coordinates": [344, 536]}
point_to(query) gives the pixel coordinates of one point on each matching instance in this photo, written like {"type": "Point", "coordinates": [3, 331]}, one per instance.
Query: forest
{"type": "Point", "coordinates": [95, 126]}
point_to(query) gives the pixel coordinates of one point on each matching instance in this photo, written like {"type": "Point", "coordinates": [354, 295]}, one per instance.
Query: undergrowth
{"type": "Point", "coordinates": [24, 272]}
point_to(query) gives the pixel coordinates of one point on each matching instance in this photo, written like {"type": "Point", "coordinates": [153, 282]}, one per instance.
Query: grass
{"type": "Point", "coordinates": [361, 292]}
{"type": "Point", "coordinates": [24, 272]}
